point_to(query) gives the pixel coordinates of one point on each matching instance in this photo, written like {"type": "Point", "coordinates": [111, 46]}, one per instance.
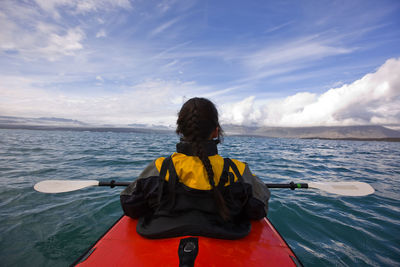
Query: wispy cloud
{"type": "Point", "coordinates": [41, 39]}
{"type": "Point", "coordinates": [161, 28]}
{"type": "Point", "coordinates": [80, 6]}
{"type": "Point", "coordinates": [75, 55]}
{"type": "Point", "coordinates": [65, 44]}
{"type": "Point", "coordinates": [101, 33]}
{"type": "Point", "coordinates": [278, 27]}
{"type": "Point", "coordinates": [166, 5]}
{"type": "Point", "coordinates": [297, 51]}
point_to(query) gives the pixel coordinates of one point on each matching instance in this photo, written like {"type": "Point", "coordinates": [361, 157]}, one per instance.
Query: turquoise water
{"type": "Point", "coordinates": [323, 229]}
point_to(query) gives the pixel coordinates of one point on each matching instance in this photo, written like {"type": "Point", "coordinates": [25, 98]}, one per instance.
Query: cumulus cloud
{"type": "Point", "coordinates": [373, 99]}
{"type": "Point", "coordinates": [243, 112]}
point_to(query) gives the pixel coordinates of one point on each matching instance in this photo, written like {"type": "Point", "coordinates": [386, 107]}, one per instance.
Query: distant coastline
{"type": "Point", "coordinates": [353, 133]}
{"type": "Point", "coordinates": [82, 129]}
{"type": "Point", "coordinates": [149, 130]}
{"type": "Point", "coordinates": [387, 139]}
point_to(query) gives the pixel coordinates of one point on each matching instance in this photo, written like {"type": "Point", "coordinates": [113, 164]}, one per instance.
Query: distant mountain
{"type": "Point", "coordinates": [57, 124]}
{"type": "Point", "coordinates": [329, 132]}
{"type": "Point", "coordinates": [45, 121]}
{"type": "Point", "coordinates": [61, 120]}
{"type": "Point", "coordinates": [150, 126]}
{"type": "Point", "coordinates": [370, 132]}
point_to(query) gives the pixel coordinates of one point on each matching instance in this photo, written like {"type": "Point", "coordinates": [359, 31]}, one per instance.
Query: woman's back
{"type": "Point", "coordinates": [183, 194]}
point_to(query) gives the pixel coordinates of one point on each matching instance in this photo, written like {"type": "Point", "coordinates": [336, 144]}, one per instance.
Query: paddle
{"type": "Point", "coordinates": [339, 188]}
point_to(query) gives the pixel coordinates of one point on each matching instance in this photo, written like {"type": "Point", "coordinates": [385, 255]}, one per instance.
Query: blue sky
{"type": "Point", "coordinates": [274, 63]}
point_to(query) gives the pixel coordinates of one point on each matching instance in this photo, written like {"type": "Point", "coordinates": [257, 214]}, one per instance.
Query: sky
{"type": "Point", "coordinates": [263, 63]}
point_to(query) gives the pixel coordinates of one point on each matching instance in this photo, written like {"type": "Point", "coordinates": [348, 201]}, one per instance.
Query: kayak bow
{"type": "Point", "coordinates": [123, 246]}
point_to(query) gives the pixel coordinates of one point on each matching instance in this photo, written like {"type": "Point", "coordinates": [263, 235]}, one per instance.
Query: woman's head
{"type": "Point", "coordinates": [198, 120]}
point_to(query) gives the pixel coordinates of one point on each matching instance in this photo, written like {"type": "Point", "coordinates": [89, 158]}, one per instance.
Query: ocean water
{"type": "Point", "coordinates": [323, 229]}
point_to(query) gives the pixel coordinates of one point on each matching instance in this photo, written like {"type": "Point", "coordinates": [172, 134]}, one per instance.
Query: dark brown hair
{"type": "Point", "coordinates": [197, 120]}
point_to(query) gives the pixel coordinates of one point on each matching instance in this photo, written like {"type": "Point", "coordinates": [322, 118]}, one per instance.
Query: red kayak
{"type": "Point", "coordinates": [123, 246]}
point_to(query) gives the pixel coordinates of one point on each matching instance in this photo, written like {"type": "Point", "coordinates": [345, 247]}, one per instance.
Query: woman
{"type": "Point", "coordinates": [195, 191]}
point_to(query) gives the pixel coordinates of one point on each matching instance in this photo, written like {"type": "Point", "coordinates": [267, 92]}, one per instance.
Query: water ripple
{"type": "Point", "coordinates": [323, 229]}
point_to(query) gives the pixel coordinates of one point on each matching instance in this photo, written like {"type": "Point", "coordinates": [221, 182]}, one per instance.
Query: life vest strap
{"type": "Point", "coordinates": [235, 170]}
{"type": "Point", "coordinates": [163, 172]}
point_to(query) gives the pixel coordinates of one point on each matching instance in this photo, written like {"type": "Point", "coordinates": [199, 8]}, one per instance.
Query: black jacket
{"type": "Point", "coordinates": [172, 197]}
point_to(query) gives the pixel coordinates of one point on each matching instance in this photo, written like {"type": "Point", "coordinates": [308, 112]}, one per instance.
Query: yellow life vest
{"type": "Point", "coordinates": [191, 171]}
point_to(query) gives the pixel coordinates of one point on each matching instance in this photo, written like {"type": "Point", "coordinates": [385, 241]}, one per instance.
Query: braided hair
{"type": "Point", "coordinates": [197, 120]}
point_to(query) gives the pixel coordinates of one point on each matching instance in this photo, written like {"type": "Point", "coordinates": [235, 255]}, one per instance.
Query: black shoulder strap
{"type": "Point", "coordinates": [164, 167]}
{"type": "Point", "coordinates": [235, 170]}
{"type": "Point", "coordinates": [226, 165]}
{"type": "Point", "coordinates": [163, 171]}
{"type": "Point", "coordinates": [173, 179]}
{"type": "Point", "coordinates": [224, 175]}
{"type": "Point", "coordinates": [240, 179]}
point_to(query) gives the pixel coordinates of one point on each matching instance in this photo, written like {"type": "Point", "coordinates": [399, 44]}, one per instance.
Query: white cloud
{"type": "Point", "coordinates": [164, 6]}
{"type": "Point", "coordinates": [276, 112]}
{"type": "Point", "coordinates": [278, 27]}
{"type": "Point", "coordinates": [44, 32]}
{"type": "Point", "coordinates": [83, 6]}
{"type": "Point", "coordinates": [164, 26]}
{"type": "Point", "coordinates": [80, 6]}
{"type": "Point", "coordinates": [51, 6]}
{"type": "Point", "coordinates": [373, 99]}
{"type": "Point", "coordinates": [101, 33]}
{"type": "Point", "coordinates": [40, 39]}
{"type": "Point", "coordinates": [304, 50]}
{"type": "Point", "coordinates": [66, 44]}
{"type": "Point", "coordinates": [243, 112]}
{"type": "Point", "coordinates": [148, 102]}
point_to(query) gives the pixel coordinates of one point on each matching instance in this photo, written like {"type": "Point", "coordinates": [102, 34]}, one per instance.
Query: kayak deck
{"type": "Point", "coordinates": [123, 246]}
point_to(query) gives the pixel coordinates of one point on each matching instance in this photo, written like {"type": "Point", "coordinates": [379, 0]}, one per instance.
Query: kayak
{"type": "Point", "coordinates": [121, 245]}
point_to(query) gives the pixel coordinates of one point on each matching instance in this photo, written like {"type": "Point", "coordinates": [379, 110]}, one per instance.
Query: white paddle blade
{"type": "Point", "coordinates": [60, 186]}
{"type": "Point", "coordinates": [344, 188]}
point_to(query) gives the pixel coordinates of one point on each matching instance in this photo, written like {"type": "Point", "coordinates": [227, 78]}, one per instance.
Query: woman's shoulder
{"type": "Point", "coordinates": [238, 162]}
{"type": "Point", "coordinates": [150, 170]}
{"type": "Point", "coordinates": [159, 161]}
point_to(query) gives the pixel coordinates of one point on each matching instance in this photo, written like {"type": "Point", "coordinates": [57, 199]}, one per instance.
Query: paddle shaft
{"type": "Point", "coordinates": [113, 183]}
{"type": "Point", "coordinates": [290, 185]}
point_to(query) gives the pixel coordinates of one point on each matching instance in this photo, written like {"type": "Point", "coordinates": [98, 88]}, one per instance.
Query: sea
{"type": "Point", "coordinates": [323, 229]}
